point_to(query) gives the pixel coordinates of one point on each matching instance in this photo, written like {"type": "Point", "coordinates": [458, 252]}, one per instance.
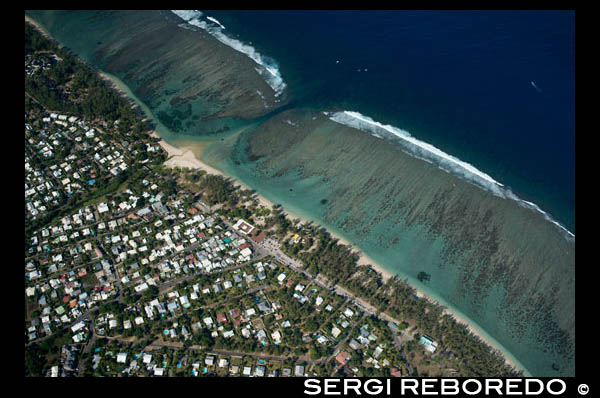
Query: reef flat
{"type": "Point", "coordinates": [192, 83]}
{"type": "Point", "coordinates": [505, 266]}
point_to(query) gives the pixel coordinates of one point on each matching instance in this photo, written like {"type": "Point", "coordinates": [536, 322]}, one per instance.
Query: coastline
{"type": "Point", "coordinates": [39, 27]}
{"type": "Point", "coordinates": [185, 157]}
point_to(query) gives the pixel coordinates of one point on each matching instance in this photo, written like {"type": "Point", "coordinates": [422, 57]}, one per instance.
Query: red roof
{"type": "Point", "coordinates": [221, 317]}
{"type": "Point", "coordinates": [258, 238]}
{"type": "Point", "coordinates": [341, 357]}
{"type": "Point", "coordinates": [395, 372]}
{"type": "Point", "coordinates": [245, 245]}
{"type": "Point", "coordinates": [66, 299]}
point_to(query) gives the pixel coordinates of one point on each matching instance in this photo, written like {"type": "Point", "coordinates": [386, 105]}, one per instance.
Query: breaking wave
{"type": "Point", "coordinates": [216, 21]}
{"type": "Point", "coordinates": [267, 67]}
{"type": "Point", "coordinates": [431, 154]}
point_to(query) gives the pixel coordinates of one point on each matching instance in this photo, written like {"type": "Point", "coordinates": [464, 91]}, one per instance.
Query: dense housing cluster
{"type": "Point", "coordinates": [132, 268]}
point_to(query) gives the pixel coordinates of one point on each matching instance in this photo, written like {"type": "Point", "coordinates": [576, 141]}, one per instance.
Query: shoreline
{"type": "Point", "coordinates": [185, 157]}
{"type": "Point", "coordinates": [40, 28]}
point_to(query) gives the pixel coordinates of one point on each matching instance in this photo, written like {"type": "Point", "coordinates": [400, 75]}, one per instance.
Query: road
{"type": "Point", "coordinates": [270, 247]}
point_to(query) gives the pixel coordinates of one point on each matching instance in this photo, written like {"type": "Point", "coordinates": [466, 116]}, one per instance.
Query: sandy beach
{"type": "Point", "coordinates": [185, 157]}
{"type": "Point", "coordinates": [459, 319]}
{"type": "Point", "coordinates": [39, 27]}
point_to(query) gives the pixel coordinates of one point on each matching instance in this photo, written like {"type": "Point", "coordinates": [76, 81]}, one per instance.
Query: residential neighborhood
{"type": "Point", "coordinates": [140, 267]}
{"type": "Point", "coordinates": [134, 268]}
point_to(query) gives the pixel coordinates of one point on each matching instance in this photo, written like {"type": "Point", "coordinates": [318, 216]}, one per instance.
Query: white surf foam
{"type": "Point", "coordinates": [436, 156]}
{"type": "Point", "coordinates": [216, 21]}
{"type": "Point", "coordinates": [267, 67]}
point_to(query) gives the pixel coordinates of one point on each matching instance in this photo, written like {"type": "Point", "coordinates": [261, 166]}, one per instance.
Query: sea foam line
{"type": "Point", "coordinates": [436, 156]}
{"type": "Point", "coordinates": [267, 67]}
{"type": "Point", "coordinates": [216, 21]}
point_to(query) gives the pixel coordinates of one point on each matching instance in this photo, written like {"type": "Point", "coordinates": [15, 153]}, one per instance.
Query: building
{"type": "Point", "coordinates": [243, 227]}
{"type": "Point", "coordinates": [429, 343]}
{"type": "Point", "coordinates": [342, 357]}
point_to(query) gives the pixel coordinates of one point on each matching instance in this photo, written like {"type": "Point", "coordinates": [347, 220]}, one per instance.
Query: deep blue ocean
{"type": "Point", "coordinates": [459, 80]}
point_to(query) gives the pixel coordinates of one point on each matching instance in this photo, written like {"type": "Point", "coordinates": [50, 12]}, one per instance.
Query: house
{"type": "Point", "coordinates": [102, 208]}
{"type": "Point", "coordinates": [259, 371]}
{"type": "Point", "coordinates": [429, 343]}
{"type": "Point", "coordinates": [276, 336]}
{"type": "Point", "coordinates": [299, 370]}
{"type": "Point", "coordinates": [377, 352]}
{"type": "Point", "coordinates": [355, 345]}
{"type": "Point", "coordinates": [264, 307]}
{"type": "Point", "coordinates": [77, 326]}
{"type": "Point", "coordinates": [121, 357]}
{"type": "Point", "coordinates": [322, 339]}
{"type": "Point", "coordinates": [395, 372]}
{"type": "Point", "coordinates": [335, 332]}
{"type": "Point", "coordinates": [221, 317]}
{"type": "Point", "coordinates": [342, 357]}
{"type": "Point", "coordinates": [209, 360]}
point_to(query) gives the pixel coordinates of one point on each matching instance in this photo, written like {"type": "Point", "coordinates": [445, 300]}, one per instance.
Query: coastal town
{"type": "Point", "coordinates": [138, 268]}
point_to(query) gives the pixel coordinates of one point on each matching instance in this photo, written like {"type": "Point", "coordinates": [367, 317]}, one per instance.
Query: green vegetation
{"type": "Point", "coordinates": [89, 95]}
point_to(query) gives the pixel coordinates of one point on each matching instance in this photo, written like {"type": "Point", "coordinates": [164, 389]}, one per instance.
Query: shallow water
{"type": "Point", "coordinates": [503, 266]}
